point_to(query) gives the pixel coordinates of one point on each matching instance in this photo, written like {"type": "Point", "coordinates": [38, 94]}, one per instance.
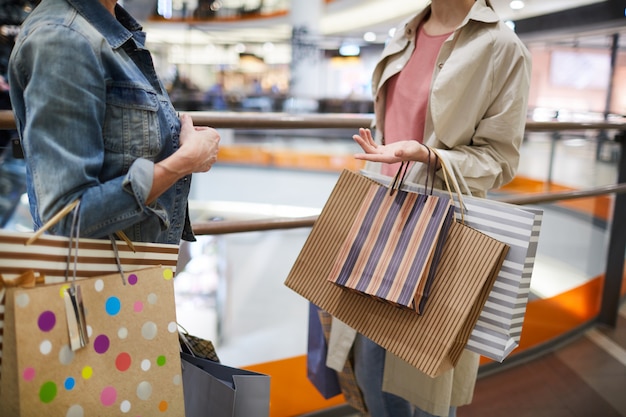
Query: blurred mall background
{"type": "Point", "coordinates": [280, 57]}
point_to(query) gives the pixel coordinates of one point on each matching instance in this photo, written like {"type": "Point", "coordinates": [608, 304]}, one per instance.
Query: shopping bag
{"type": "Point", "coordinates": [394, 245]}
{"type": "Point", "coordinates": [431, 342]}
{"type": "Point", "coordinates": [346, 377]}
{"type": "Point", "coordinates": [48, 257]}
{"type": "Point", "coordinates": [323, 378]}
{"type": "Point", "coordinates": [498, 329]}
{"type": "Point", "coordinates": [130, 363]}
{"type": "Point", "coordinates": [216, 390]}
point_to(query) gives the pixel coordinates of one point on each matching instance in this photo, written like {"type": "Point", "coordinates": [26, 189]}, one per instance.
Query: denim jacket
{"type": "Point", "coordinates": [93, 118]}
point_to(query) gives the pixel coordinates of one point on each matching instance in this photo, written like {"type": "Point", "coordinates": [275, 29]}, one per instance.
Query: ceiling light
{"type": "Point", "coordinates": [349, 50]}
{"type": "Point", "coordinates": [516, 5]}
{"type": "Point", "coordinates": [369, 37]}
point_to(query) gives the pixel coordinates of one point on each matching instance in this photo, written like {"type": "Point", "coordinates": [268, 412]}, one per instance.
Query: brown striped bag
{"type": "Point", "coordinates": [431, 342]}
{"type": "Point", "coordinates": [394, 244]}
{"type": "Point", "coordinates": [47, 257]}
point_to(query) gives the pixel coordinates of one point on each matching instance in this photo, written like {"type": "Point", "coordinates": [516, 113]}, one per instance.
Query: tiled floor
{"type": "Point", "coordinates": [240, 301]}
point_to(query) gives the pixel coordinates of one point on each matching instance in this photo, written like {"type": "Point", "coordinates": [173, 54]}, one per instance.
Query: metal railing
{"type": "Point", "coordinates": [617, 238]}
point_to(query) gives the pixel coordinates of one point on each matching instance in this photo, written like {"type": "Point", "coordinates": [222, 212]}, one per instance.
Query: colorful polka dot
{"type": "Point", "coordinates": [122, 333]}
{"type": "Point", "coordinates": [66, 355]}
{"type": "Point", "coordinates": [168, 274]}
{"type": "Point", "coordinates": [69, 383]}
{"type": "Point", "coordinates": [46, 321]}
{"type": "Point", "coordinates": [45, 347]}
{"type": "Point", "coordinates": [122, 362]}
{"type": "Point", "coordinates": [108, 396]}
{"type": "Point", "coordinates": [113, 306]}
{"type": "Point", "coordinates": [152, 298]}
{"type": "Point", "coordinates": [149, 330]}
{"type": "Point", "coordinates": [99, 285]}
{"type": "Point", "coordinates": [28, 374]}
{"type": "Point", "coordinates": [132, 279]}
{"type": "Point", "coordinates": [145, 365]}
{"type": "Point", "coordinates": [138, 307]}
{"type": "Point", "coordinates": [101, 344]}
{"type": "Point", "coordinates": [172, 327]}
{"type": "Point", "coordinates": [177, 380]}
{"type": "Point", "coordinates": [22, 300]}
{"type": "Point", "coordinates": [48, 392]}
{"type": "Point", "coordinates": [125, 406]}
{"type": "Point", "coordinates": [75, 411]}
{"type": "Point", "coordinates": [163, 405]}
{"type": "Point", "coordinates": [87, 372]}
{"type": "Point", "coordinates": [161, 360]}
{"type": "Point", "coordinates": [63, 290]}
{"type": "Point", "coordinates": [144, 390]}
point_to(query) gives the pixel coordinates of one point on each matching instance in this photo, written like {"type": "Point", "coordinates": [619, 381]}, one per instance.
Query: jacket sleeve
{"type": "Point", "coordinates": [491, 157]}
{"type": "Point", "coordinates": [62, 88]}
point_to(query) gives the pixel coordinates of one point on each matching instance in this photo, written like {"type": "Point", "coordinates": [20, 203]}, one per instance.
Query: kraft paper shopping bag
{"type": "Point", "coordinates": [130, 364]}
{"type": "Point", "coordinates": [498, 329]}
{"type": "Point", "coordinates": [48, 256]}
{"type": "Point", "coordinates": [431, 342]}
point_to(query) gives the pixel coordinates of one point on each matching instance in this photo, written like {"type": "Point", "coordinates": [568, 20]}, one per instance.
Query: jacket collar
{"type": "Point", "coordinates": [480, 12]}
{"type": "Point", "coordinates": [116, 29]}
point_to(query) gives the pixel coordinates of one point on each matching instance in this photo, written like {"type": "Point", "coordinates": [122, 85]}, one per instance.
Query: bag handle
{"type": "Point", "coordinates": [64, 212]}
{"type": "Point", "coordinates": [398, 179]}
{"type": "Point", "coordinates": [72, 296]}
{"type": "Point", "coordinates": [448, 178]}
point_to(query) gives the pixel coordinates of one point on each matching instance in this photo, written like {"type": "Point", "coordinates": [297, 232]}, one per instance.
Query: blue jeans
{"type": "Point", "coordinates": [369, 363]}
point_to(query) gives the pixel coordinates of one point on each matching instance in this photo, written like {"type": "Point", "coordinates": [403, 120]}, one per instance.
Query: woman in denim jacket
{"type": "Point", "coordinates": [455, 78]}
{"type": "Point", "coordinates": [96, 124]}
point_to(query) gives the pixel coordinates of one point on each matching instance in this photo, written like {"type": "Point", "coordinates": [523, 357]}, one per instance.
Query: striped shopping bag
{"type": "Point", "coordinates": [499, 327]}
{"type": "Point", "coordinates": [394, 244]}
{"type": "Point", "coordinates": [433, 341]}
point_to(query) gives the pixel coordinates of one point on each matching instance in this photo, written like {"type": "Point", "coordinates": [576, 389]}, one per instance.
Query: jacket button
{"type": "Point", "coordinates": [440, 65]}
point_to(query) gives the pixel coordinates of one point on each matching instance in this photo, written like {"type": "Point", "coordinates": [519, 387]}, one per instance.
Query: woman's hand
{"type": "Point", "coordinates": [197, 153]}
{"type": "Point", "coordinates": [400, 151]}
{"type": "Point", "coordinates": [198, 147]}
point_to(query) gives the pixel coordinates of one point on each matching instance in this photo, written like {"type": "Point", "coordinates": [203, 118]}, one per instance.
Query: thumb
{"type": "Point", "coordinates": [186, 124]}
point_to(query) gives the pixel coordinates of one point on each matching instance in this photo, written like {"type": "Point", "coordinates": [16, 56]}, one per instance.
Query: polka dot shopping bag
{"type": "Point", "coordinates": [130, 364]}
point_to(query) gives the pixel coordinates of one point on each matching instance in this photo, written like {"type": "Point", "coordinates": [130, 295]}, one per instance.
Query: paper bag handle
{"type": "Point", "coordinates": [398, 179]}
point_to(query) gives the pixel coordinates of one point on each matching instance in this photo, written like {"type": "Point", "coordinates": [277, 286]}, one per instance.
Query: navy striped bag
{"type": "Point", "coordinates": [394, 244]}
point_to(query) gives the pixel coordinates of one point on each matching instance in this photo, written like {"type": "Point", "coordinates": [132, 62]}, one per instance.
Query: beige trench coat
{"type": "Point", "coordinates": [476, 118]}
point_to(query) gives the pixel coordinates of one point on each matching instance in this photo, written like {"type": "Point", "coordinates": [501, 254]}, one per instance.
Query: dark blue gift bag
{"type": "Point", "coordinates": [322, 377]}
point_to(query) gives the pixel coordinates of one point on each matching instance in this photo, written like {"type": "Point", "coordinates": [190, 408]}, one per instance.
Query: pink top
{"type": "Point", "coordinates": [408, 93]}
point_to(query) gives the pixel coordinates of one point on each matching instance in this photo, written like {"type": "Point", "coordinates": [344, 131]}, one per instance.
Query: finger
{"type": "Point", "coordinates": [186, 124]}
{"type": "Point", "coordinates": [364, 144]}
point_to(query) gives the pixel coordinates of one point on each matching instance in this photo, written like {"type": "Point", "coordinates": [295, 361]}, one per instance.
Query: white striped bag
{"type": "Point", "coordinates": [498, 329]}
{"type": "Point", "coordinates": [48, 256]}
